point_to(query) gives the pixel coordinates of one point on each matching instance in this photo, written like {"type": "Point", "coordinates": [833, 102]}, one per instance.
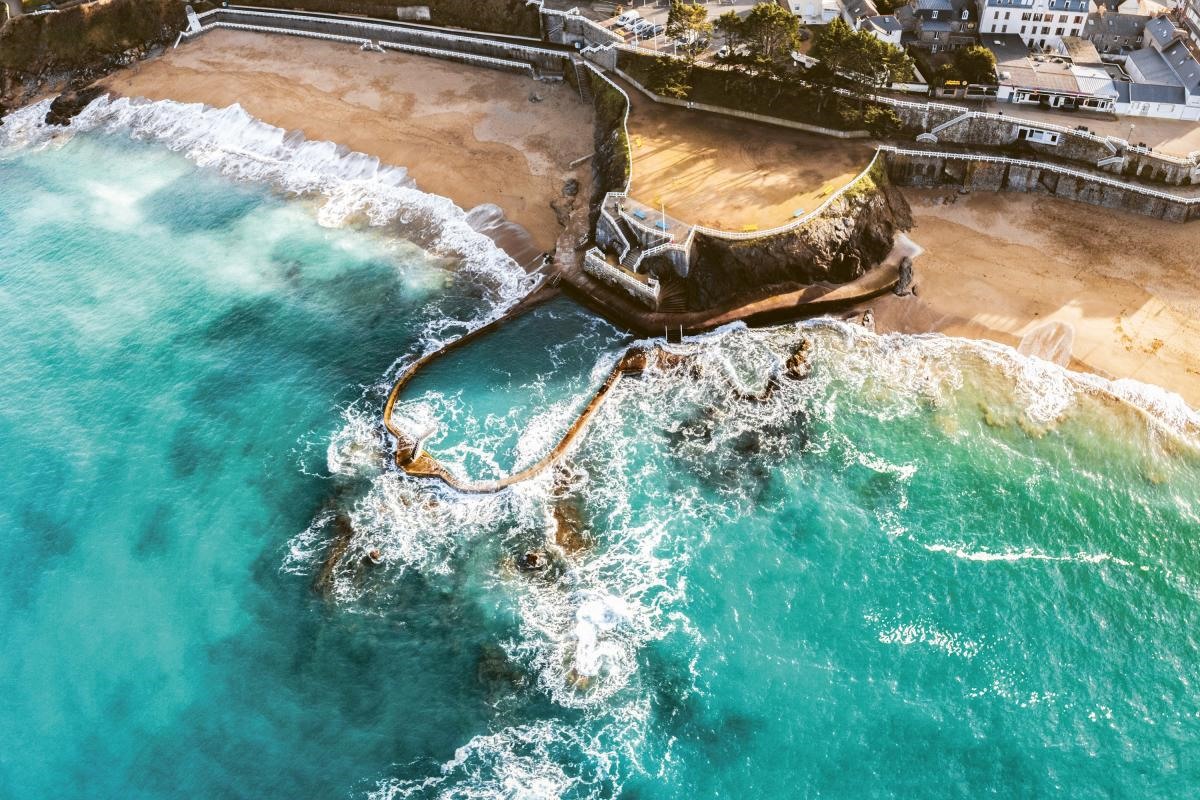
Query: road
{"type": "Point", "coordinates": [1173, 136]}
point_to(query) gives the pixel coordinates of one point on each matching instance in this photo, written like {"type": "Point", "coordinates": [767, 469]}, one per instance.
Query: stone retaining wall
{"type": "Point", "coordinates": [931, 169]}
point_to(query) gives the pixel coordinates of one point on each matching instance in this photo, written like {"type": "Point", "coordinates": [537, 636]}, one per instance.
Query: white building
{"type": "Point", "coordinates": [1039, 23]}
{"type": "Point", "coordinates": [815, 12]}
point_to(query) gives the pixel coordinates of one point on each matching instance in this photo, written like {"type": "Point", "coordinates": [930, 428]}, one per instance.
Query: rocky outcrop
{"type": "Point", "coordinates": [854, 234]}
{"type": "Point", "coordinates": [68, 104]}
{"type": "Point", "coordinates": [76, 46]}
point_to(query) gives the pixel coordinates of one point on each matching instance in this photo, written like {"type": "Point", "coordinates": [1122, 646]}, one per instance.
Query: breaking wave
{"type": "Point", "coordinates": [352, 185]}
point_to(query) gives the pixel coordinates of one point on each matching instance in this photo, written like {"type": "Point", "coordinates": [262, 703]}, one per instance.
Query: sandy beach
{"type": "Point", "coordinates": [728, 173]}
{"type": "Point", "coordinates": [470, 134]}
{"type": "Point", "coordinates": [1087, 287]}
{"type": "Point", "coordinates": [1090, 288]}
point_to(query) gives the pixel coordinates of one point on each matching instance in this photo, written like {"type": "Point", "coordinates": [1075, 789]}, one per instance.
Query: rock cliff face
{"type": "Point", "coordinates": [79, 45]}
{"type": "Point", "coordinates": [854, 234]}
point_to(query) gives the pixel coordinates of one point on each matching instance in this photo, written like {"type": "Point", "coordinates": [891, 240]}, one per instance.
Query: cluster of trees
{"type": "Point", "coordinates": [973, 64]}
{"type": "Point", "coordinates": [762, 71]}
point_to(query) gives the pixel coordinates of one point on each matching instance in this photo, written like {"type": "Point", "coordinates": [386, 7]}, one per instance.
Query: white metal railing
{"type": "Point", "coordinates": [505, 63]}
{"type": "Point", "coordinates": [795, 223]}
{"type": "Point", "coordinates": [625, 245]}
{"type": "Point", "coordinates": [374, 26]}
{"type": "Point", "coordinates": [1022, 162]}
{"type": "Point", "coordinates": [333, 37]}
{"type": "Point", "coordinates": [435, 52]}
{"type": "Point", "coordinates": [656, 233]}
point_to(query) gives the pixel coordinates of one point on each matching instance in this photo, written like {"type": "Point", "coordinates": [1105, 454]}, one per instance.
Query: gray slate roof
{"type": "Point", "coordinates": [1184, 65]}
{"type": "Point", "coordinates": [1153, 67]}
{"type": "Point", "coordinates": [1162, 29]}
{"type": "Point", "coordinates": [933, 5]}
{"type": "Point", "coordinates": [1124, 25]}
{"type": "Point", "coordinates": [859, 9]}
{"type": "Point", "coordinates": [1156, 93]}
{"type": "Point", "coordinates": [886, 23]}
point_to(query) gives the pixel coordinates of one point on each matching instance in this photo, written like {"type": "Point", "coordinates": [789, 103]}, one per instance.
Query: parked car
{"type": "Point", "coordinates": [641, 28]}
{"type": "Point", "coordinates": [628, 19]}
{"type": "Point", "coordinates": [655, 30]}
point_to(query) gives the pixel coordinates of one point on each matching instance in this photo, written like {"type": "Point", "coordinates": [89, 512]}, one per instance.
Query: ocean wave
{"type": "Point", "coordinates": [1027, 554]}
{"type": "Point", "coordinates": [352, 185]}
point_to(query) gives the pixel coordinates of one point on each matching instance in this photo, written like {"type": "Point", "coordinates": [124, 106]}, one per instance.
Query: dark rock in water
{"type": "Point", "coordinates": [533, 561]}
{"type": "Point", "coordinates": [374, 557]}
{"type": "Point", "coordinates": [534, 97]}
{"type": "Point", "coordinates": [569, 533]}
{"type": "Point", "coordinates": [798, 366]}
{"type": "Point", "coordinates": [570, 188]}
{"type": "Point", "coordinates": [904, 281]}
{"type": "Point", "coordinates": [868, 320]}
{"type": "Point", "coordinates": [68, 105]}
{"type": "Point", "coordinates": [495, 671]}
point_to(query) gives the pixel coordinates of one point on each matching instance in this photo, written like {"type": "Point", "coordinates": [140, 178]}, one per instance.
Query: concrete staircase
{"type": "Point", "coordinates": [584, 80]}
{"type": "Point", "coordinates": [672, 294]}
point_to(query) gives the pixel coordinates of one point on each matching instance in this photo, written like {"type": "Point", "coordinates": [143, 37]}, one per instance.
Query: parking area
{"type": "Point", "coordinates": [654, 12]}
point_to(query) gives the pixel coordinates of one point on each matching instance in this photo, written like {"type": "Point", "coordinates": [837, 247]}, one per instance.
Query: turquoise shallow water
{"type": "Point", "coordinates": [932, 569]}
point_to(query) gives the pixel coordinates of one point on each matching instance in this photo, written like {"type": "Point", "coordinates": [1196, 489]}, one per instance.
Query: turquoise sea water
{"type": "Point", "coordinates": [932, 569]}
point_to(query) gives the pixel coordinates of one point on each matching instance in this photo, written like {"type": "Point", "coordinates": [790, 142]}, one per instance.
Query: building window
{"type": "Point", "coordinates": [1006, 15]}
{"type": "Point", "coordinates": [1022, 30]}
{"type": "Point", "coordinates": [935, 13]}
{"type": "Point", "coordinates": [964, 14]}
{"type": "Point", "coordinates": [1045, 30]}
{"type": "Point", "coordinates": [1025, 16]}
{"type": "Point", "coordinates": [1058, 31]}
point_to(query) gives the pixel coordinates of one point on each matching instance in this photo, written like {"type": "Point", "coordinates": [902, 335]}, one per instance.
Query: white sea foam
{"type": "Point", "coordinates": [1027, 554]}
{"type": "Point", "coordinates": [580, 633]}
{"type": "Point", "coordinates": [521, 762]}
{"type": "Point", "coordinates": [240, 146]}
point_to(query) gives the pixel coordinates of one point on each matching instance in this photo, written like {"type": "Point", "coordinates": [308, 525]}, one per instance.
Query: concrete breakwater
{"type": "Point", "coordinates": [410, 455]}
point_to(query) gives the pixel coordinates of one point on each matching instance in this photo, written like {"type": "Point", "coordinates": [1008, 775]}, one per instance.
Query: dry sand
{"type": "Point", "coordinates": [466, 133]}
{"type": "Point", "coordinates": [728, 173]}
{"type": "Point", "coordinates": [1091, 288]}
{"type": "Point", "coordinates": [1087, 287]}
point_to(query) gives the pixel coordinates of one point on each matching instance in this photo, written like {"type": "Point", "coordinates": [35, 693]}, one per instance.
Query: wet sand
{"type": "Point", "coordinates": [466, 133]}
{"type": "Point", "coordinates": [1090, 288]}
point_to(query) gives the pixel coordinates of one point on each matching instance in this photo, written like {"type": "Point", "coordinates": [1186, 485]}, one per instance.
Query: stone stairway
{"type": "Point", "coordinates": [583, 80]}
{"type": "Point", "coordinates": [672, 294]}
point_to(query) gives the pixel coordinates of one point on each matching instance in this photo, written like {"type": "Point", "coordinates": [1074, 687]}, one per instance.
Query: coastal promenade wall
{"type": "Point", "coordinates": [426, 41]}
{"type": "Point", "coordinates": [509, 17]}
{"type": "Point", "coordinates": [972, 171]}
{"type": "Point", "coordinates": [1014, 135]}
